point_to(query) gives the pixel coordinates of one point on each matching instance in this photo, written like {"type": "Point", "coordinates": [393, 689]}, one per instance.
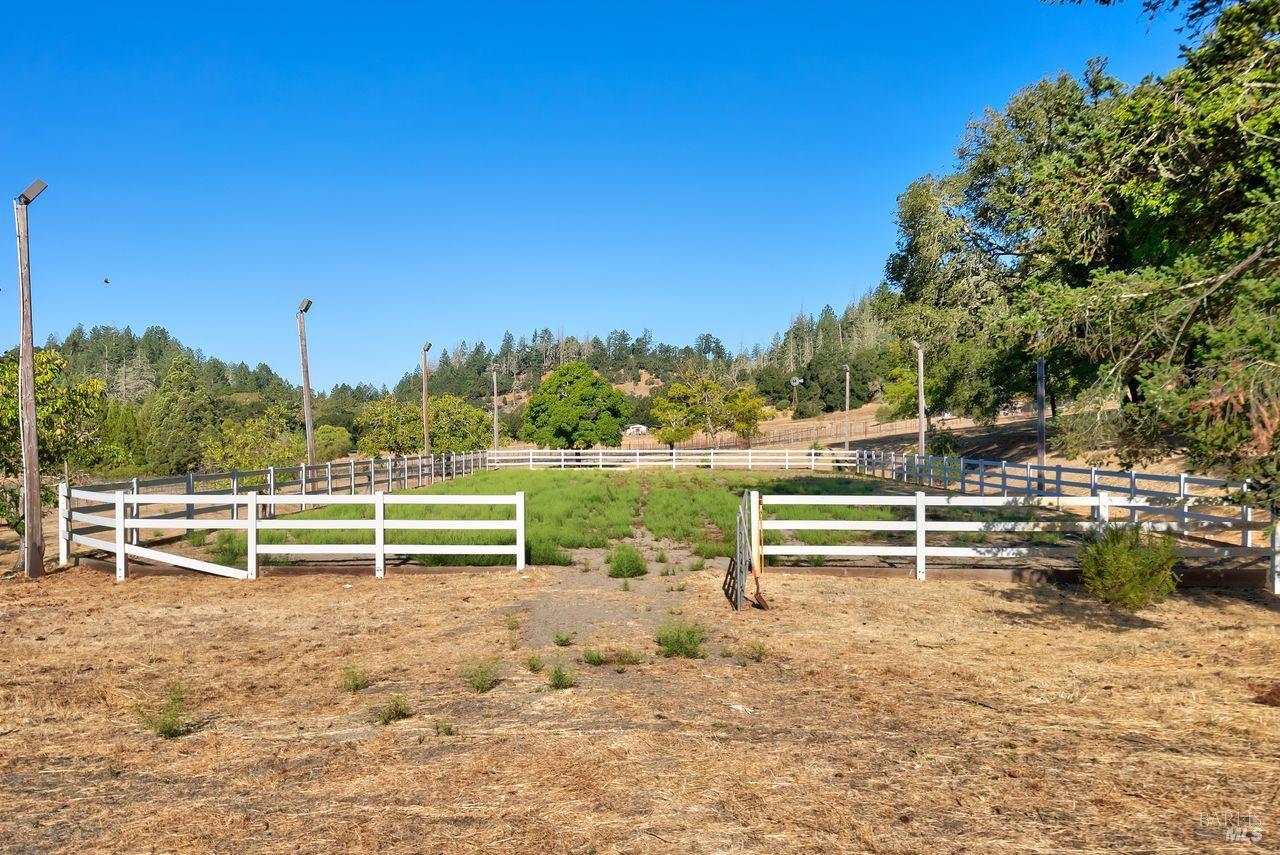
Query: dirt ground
{"type": "Point", "coordinates": [883, 715]}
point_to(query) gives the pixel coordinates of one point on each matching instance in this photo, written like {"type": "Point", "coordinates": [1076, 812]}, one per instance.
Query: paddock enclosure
{"type": "Point", "coordinates": [951, 511]}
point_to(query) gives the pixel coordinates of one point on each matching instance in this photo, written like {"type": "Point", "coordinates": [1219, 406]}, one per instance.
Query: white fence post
{"type": "Point", "coordinates": [64, 524]}
{"type": "Point", "coordinates": [251, 535]}
{"type": "Point", "coordinates": [920, 517]}
{"type": "Point", "coordinates": [136, 533]}
{"type": "Point", "coordinates": [1004, 478]}
{"type": "Point", "coordinates": [520, 530]}
{"type": "Point", "coordinates": [1273, 573]}
{"type": "Point", "coordinates": [982, 477]}
{"type": "Point", "coordinates": [1133, 497]}
{"type": "Point", "coordinates": [1104, 513]}
{"type": "Point", "coordinates": [235, 491]}
{"type": "Point", "coordinates": [379, 535]}
{"type": "Point", "coordinates": [122, 559]}
{"type": "Point", "coordinates": [191, 488]}
{"type": "Point", "coordinates": [1246, 516]}
{"type": "Point", "coordinates": [328, 477]}
{"type": "Point", "coordinates": [1183, 501]}
{"type": "Point", "coordinates": [271, 489]}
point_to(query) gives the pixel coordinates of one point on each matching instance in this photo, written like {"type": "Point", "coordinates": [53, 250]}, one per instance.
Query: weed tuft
{"type": "Point", "coordinates": [593, 657]}
{"type": "Point", "coordinates": [626, 562]}
{"type": "Point", "coordinates": [481, 675]}
{"type": "Point", "coordinates": [562, 639]}
{"type": "Point", "coordinates": [352, 679]}
{"type": "Point", "coordinates": [627, 656]}
{"type": "Point", "coordinates": [534, 663]}
{"type": "Point", "coordinates": [561, 677]}
{"type": "Point", "coordinates": [395, 709]}
{"type": "Point", "coordinates": [678, 637]}
{"type": "Point", "coordinates": [170, 719]}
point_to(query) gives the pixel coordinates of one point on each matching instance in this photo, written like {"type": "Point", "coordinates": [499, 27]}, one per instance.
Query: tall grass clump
{"type": "Point", "coordinates": [1128, 567]}
{"type": "Point", "coordinates": [352, 679]}
{"type": "Point", "coordinates": [561, 677]}
{"type": "Point", "coordinates": [170, 719]}
{"type": "Point", "coordinates": [626, 562]}
{"type": "Point", "coordinates": [395, 709]}
{"type": "Point", "coordinates": [481, 675]}
{"type": "Point", "coordinates": [679, 637]}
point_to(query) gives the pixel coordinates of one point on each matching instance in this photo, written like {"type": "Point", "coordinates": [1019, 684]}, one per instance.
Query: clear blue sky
{"type": "Point", "coordinates": [448, 172]}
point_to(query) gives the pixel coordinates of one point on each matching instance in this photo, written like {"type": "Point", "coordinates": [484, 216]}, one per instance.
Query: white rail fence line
{"type": "Point", "coordinates": [752, 548]}
{"type": "Point", "coordinates": [962, 474]}
{"type": "Point", "coordinates": [125, 518]}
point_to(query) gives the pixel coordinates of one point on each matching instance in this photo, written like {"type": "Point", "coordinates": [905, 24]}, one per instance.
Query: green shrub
{"type": "Point", "coordinates": [593, 657]}
{"type": "Point", "coordinates": [170, 719]}
{"type": "Point", "coordinates": [627, 656]}
{"type": "Point", "coordinates": [352, 679]}
{"type": "Point", "coordinates": [678, 637]}
{"type": "Point", "coordinates": [197, 536]}
{"type": "Point", "coordinates": [533, 663]}
{"type": "Point", "coordinates": [481, 674]}
{"type": "Point", "coordinates": [1129, 567]}
{"type": "Point", "coordinates": [394, 709]}
{"type": "Point", "coordinates": [561, 638]}
{"type": "Point", "coordinates": [697, 564]}
{"type": "Point", "coordinates": [626, 562]}
{"type": "Point", "coordinates": [561, 677]}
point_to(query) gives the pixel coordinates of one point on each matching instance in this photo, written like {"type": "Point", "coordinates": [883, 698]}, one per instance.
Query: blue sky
{"type": "Point", "coordinates": [446, 172]}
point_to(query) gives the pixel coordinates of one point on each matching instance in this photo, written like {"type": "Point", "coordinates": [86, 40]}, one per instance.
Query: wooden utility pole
{"type": "Point", "coordinates": [495, 409]}
{"type": "Point", "coordinates": [426, 414]}
{"type": "Point", "coordinates": [32, 525]}
{"type": "Point", "coordinates": [1040, 437]}
{"type": "Point", "coordinates": [920, 420]}
{"type": "Point", "coordinates": [846, 407]}
{"type": "Point", "coordinates": [306, 382]}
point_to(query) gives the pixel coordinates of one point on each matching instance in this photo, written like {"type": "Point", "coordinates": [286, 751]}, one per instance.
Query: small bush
{"type": "Point", "coordinates": [197, 536]}
{"type": "Point", "coordinates": [481, 674]}
{"type": "Point", "coordinates": [593, 657]}
{"type": "Point", "coordinates": [352, 679]}
{"type": "Point", "coordinates": [697, 564]}
{"type": "Point", "coordinates": [534, 663]}
{"type": "Point", "coordinates": [1129, 567]}
{"type": "Point", "coordinates": [661, 557]}
{"type": "Point", "coordinates": [626, 562]}
{"type": "Point", "coordinates": [444, 728]}
{"type": "Point", "coordinates": [513, 621]}
{"type": "Point", "coordinates": [562, 639]}
{"type": "Point", "coordinates": [756, 651]}
{"type": "Point", "coordinates": [561, 677]}
{"type": "Point", "coordinates": [943, 443]}
{"type": "Point", "coordinates": [626, 656]}
{"type": "Point", "coordinates": [170, 720]}
{"type": "Point", "coordinates": [395, 709]}
{"type": "Point", "coordinates": [678, 637]}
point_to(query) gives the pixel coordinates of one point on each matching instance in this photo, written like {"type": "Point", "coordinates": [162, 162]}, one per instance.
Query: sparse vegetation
{"type": "Point", "coordinates": [627, 656]}
{"type": "Point", "coordinates": [352, 679]}
{"type": "Point", "coordinates": [626, 562]}
{"type": "Point", "coordinates": [443, 728]}
{"type": "Point", "coordinates": [560, 638]}
{"type": "Point", "coordinates": [1129, 567]}
{"type": "Point", "coordinates": [395, 709]}
{"type": "Point", "coordinates": [534, 663]}
{"type": "Point", "coordinates": [561, 677]}
{"type": "Point", "coordinates": [513, 621]}
{"type": "Point", "coordinates": [481, 675]}
{"type": "Point", "coordinates": [169, 720]}
{"type": "Point", "coordinates": [678, 637]}
{"type": "Point", "coordinates": [593, 657]}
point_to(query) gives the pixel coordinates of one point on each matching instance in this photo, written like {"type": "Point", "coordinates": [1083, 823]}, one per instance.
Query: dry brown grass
{"type": "Point", "coordinates": [888, 716]}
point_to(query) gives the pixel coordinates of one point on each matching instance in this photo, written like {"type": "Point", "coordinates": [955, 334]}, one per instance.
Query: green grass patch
{"type": "Point", "coordinates": [352, 679]}
{"type": "Point", "coordinates": [679, 637]}
{"type": "Point", "coordinates": [168, 719]}
{"type": "Point", "coordinates": [593, 657]}
{"type": "Point", "coordinates": [534, 663]}
{"type": "Point", "coordinates": [481, 675]}
{"type": "Point", "coordinates": [561, 677]}
{"type": "Point", "coordinates": [626, 562]}
{"type": "Point", "coordinates": [561, 638]}
{"type": "Point", "coordinates": [395, 709]}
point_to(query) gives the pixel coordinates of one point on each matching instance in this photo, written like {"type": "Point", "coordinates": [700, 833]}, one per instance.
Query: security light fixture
{"type": "Point", "coordinates": [304, 305]}
{"type": "Point", "coordinates": [26, 197]}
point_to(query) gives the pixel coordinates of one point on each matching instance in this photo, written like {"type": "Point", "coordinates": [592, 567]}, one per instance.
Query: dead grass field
{"type": "Point", "coordinates": [883, 716]}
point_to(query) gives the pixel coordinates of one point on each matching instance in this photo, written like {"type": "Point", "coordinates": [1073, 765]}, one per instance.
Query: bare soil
{"type": "Point", "coordinates": [884, 715]}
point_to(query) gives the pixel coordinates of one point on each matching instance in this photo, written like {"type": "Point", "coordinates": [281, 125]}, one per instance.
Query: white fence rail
{"type": "Point", "coordinates": [249, 510]}
{"type": "Point", "coordinates": [754, 515]}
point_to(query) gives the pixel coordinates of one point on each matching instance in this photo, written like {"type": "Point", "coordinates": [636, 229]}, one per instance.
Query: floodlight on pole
{"type": "Point", "coordinates": [32, 525]}
{"type": "Point", "coordinates": [306, 382]}
{"type": "Point", "coordinates": [920, 420]}
{"type": "Point", "coordinates": [426, 414]}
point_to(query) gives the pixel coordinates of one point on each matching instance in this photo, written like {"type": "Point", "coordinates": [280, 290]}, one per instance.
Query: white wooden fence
{"type": "Point", "coordinates": [754, 516]}
{"type": "Point", "coordinates": [248, 512]}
